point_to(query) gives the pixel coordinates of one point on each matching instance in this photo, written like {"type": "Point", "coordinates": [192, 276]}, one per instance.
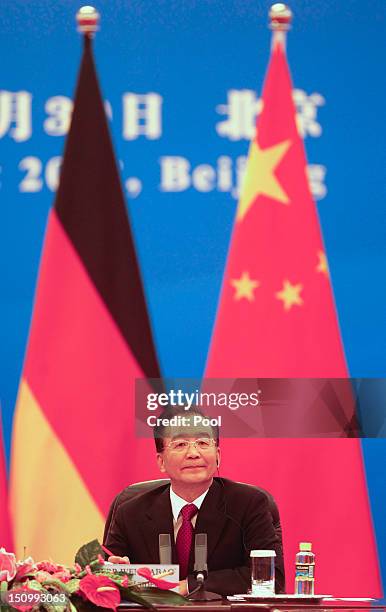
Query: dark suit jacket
{"type": "Point", "coordinates": [234, 516]}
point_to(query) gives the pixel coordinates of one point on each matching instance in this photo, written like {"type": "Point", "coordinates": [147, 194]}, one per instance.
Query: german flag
{"type": "Point", "coordinates": [73, 440]}
{"type": "Point", "coordinates": [277, 318]}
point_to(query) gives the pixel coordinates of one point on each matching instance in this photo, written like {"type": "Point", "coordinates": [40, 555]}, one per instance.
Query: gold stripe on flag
{"type": "Point", "coordinates": [43, 527]}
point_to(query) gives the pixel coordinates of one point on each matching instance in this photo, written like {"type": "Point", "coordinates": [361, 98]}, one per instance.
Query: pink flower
{"type": "Point", "coordinates": [63, 575]}
{"type": "Point", "coordinates": [7, 565]}
{"type": "Point", "coordinates": [42, 576]}
{"type": "Point", "coordinates": [25, 567]}
{"type": "Point", "coordinates": [145, 572]}
{"type": "Point", "coordinates": [125, 581]}
{"type": "Point", "coordinates": [48, 566]}
{"type": "Point", "coordinates": [78, 568]}
{"type": "Point", "coordinates": [100, 590]}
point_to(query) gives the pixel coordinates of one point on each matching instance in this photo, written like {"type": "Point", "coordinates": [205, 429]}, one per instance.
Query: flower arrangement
{"type": "Point", "coordinates": [88, 585]}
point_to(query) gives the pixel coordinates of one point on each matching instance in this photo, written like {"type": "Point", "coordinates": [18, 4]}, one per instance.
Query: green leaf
{"type": "Point", "coordinates": [117, 578]}
{"type": "Point", "coordinates": [81, 605]}
{"type": "Point", "coordinates": [3, 592]}
{"type": "Point", "coordinates": [130, 595]}
{"type": "Point", "coordinates": [34, 584]}
{"type": "Point", "coordinates": [54, 607]}
{"type": "Point", "coordinates": [153, 596]}
{"type": "Point", "coordinates": [72, 585]}
{"type": "Point", "coordinates": [88, 552]}
{"type": "Point", "coordinates": [56, 584]}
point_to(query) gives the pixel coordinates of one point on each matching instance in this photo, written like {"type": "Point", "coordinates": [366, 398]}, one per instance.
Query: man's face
{"type": "Point", "coordinates": [192, 465]}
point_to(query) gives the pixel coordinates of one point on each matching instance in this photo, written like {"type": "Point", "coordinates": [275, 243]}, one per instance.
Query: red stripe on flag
{"type": "Point", "coordinates": [5, 530]}
{"type": "Point", "coordinates": [81, 370]}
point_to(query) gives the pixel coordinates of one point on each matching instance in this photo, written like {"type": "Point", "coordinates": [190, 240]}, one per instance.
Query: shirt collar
{"type": "Point", "coordinates": [178, 503]}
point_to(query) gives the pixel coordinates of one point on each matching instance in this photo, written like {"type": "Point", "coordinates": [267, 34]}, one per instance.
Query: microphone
{"type": "Point", "coordinates": [201, 570]}
{"type": "Point", "coordinates": [165, 549]}
{"type": "Point", "coordinates": [200, 557]}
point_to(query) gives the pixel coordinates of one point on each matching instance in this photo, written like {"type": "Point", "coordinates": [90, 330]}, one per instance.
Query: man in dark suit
{"type": "Point", "coordinates": [234, 516]}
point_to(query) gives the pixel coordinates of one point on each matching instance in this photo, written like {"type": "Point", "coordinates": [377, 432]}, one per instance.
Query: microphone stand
{"type": "Point", "coordinates": [201, 571]}
{"type": "Point", "coordinates": [199, 593]}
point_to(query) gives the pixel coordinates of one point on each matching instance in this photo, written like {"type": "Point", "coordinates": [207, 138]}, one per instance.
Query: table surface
{"type": "Point", "coordinates": [227, 606]}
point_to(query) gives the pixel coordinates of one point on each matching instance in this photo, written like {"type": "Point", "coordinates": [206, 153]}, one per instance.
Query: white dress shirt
{"type": "Point", "coordinates": [178, 503]}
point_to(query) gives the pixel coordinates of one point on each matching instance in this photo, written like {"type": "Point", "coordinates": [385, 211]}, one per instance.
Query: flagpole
{"type": "Point", "coordinates": [87, 19]}
{"type": "Point", "coordinates": [280, 18]}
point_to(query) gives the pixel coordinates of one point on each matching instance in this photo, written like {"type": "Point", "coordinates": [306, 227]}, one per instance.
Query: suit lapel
{"type": "Point", "coordinates": [211, 518]}
{"type": "Point", "coordinates": [158, 519]}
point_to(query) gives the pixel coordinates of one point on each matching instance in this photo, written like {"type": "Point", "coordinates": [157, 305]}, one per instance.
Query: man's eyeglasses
{"type": "Point", "coordinates": [202, 444]}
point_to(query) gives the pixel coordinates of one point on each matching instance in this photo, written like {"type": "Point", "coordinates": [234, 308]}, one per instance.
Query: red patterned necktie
{"type": "Point", "coordinates": [184, 538]}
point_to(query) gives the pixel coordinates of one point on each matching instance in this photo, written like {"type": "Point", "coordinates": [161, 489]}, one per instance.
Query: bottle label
{"type": "Point", "coordinates": [305, 570]}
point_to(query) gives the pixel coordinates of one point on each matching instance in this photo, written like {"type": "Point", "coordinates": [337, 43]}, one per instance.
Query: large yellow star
{"type": "Point", "coordinates": [260, 176]}
{"type": "Point", "coordinates": [290, 295]}
{"type": "Point", "coordinates": [245, 286]}
{"type": "Point", "coordinates": [322, 265]}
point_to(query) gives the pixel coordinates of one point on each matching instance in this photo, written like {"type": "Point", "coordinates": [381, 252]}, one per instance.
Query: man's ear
{"type": "Point", "coordinates": [218, 458]}
{"type": "Point", "coordinates": [161, 463]}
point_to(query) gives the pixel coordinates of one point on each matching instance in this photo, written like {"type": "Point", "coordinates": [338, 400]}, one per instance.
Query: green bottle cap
{"type": "Point", "coordinates": [305, 546]}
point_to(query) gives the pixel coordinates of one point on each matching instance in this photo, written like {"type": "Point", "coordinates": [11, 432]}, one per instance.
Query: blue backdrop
{"type": "Point", "coordinates": [182, 80]}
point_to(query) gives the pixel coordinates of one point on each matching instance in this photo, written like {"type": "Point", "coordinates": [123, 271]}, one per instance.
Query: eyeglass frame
{"type": "Point", "coordinates": [212, 443]}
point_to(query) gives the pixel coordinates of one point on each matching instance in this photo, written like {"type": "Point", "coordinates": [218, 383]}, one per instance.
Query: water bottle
{"type": "Point", "coordinates": [305, 570]}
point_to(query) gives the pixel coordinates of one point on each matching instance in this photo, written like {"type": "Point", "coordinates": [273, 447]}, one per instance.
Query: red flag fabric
{"type": "Point", "coordinates": [5, 530]}
{"type": "Point", "coordinates": [73, 444]}
{"type": "Point", "coordinates": [276, 318]}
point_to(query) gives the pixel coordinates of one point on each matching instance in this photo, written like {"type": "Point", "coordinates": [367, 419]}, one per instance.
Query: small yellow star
{"type": "Point", "coordinates": [260, 176]}
{"type": "Point", "coordinates": [290, 295]}
{"type": "Point", "coordinates": [245, 287]}
{"type": "Point", "coordinates": [322, 265]}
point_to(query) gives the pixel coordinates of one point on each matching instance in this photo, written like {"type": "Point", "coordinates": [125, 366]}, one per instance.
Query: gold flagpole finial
{"type": "Point", "coordinates": [280, 17]}
{"type": "Point", "coordinates": [87, 19]}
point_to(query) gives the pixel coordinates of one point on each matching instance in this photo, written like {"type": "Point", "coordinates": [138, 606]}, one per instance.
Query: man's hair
{"type": "Point", "coordinates": [159, 431]}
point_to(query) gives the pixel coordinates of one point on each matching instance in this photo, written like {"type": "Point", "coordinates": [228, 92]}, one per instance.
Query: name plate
{"type": "Point", "coordinates": [153, 575]}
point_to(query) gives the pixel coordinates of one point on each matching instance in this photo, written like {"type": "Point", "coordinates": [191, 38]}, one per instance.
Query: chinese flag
{"type": "Point", "coordinates": [276, 318]}
{"type": "Point", "coordinates": [5, 531]}
{"type": "Point", "coordinates": [73, 441]}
